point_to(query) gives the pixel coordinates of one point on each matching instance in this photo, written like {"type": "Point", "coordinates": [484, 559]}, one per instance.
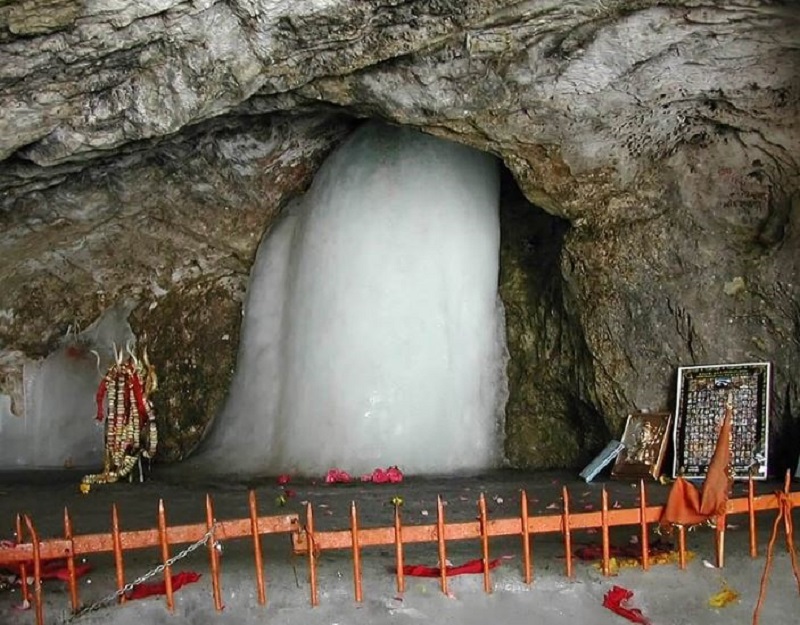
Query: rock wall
{"type": "Point", "coordinates": [663, 135]}
{"type": "Point", "coordinates": [171, 229]}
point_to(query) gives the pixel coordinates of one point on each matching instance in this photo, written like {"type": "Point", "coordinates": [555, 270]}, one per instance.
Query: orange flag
{"type": "Point", "coordinates": [686, 505]}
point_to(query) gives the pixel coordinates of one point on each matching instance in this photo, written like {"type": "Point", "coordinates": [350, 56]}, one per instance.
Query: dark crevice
{"type": "Point", "coordinates": [551, 420]}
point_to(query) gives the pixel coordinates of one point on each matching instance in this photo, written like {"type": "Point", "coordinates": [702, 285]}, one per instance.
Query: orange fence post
{"type": "Point", "coordinates": [487, 580]}
{"type": "Point", "coordinates": [442, 547]}
{"type": "Point", "coordinates": [162, 535]}
{"type": "Point", "coordinates": [567, 532]}
{"type": "Point", "coordinates": [23, 569]}
{"type": "Point", "coordinates": [119, 565]}
{"type": "Point", "coordinates": [356, 551]}
{"type": "Point", "coordinates": [37, 571]}
{"type": "Point", "coordinates": [751, 514]}
{"type": "Point", "coordinates": [71, 574]}
{"type": "Point", "coordinates": [682, 547]}
{"type": "Point", "coordinates": [604, 532]}
{"type": "Point", "coordinates": [213, 555]}
{"type": "Point", "coordinates": [719, 539]}
{"type": "Point", "coordinates": [312, 556]}
{"type": "Point", "coordinates": [645, 538]}
{"type": "Point", "coordinates": [398, 544]}
{"type": "Point", "coordinates": [526, 538]}
{"type": "Point", "coordinates": [260, 586]}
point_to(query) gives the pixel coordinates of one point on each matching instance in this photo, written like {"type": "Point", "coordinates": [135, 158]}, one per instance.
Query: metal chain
{"type": "Point", "coordinates": [112, 598]}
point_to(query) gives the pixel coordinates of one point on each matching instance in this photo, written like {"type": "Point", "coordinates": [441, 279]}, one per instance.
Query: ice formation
{"type": "Point", "coordinates": [57, 428]}
{"type": "Point", "coordinates": [373, 334]}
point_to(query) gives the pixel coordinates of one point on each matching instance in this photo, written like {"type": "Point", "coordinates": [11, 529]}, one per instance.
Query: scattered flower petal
{"type": "Point", "coordinates": [335, 476]}
{"type": "Point", "coordinates": [723, 597]}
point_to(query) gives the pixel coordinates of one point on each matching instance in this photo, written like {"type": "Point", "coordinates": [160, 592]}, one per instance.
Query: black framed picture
{"type": "Point", "coordinates": [702, 394]}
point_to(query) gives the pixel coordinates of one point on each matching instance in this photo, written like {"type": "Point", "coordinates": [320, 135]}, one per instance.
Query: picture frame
{"type": "Point", "coordinates": [645, 442]}
{"type": "Point", "coordinates": [700, 407]}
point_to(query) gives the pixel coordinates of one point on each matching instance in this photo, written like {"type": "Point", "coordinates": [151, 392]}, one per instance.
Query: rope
{"type": "Point", "coordinates": [785, 515]}
{"type": "Point", "coordinates": [312, 543]}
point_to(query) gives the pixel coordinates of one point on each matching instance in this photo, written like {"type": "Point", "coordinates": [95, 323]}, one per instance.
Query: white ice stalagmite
{"type": "Point", "coordinates": [373, 334]}
{"type": "Point", "coordinates": [57, 427]}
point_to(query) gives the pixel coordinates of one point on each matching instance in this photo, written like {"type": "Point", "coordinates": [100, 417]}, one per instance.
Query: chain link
{"type": "Point", "coordinates": [112, 598]}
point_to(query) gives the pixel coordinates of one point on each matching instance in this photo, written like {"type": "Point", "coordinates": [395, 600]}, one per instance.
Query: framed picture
{"type": "Point", "coordinates": [702, 394]}
{"type": "Point", "coordinates": [645, 443]}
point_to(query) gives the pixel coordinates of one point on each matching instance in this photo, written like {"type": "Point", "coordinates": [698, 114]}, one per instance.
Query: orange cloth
{"type": "Point", "coordinates": [686, 505]}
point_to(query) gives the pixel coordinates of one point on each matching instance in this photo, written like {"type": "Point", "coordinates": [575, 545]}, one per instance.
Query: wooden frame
{"type": "Point", "coordinates": [645, 440]}
{"type": "Point", "coordinates": [702, 393]}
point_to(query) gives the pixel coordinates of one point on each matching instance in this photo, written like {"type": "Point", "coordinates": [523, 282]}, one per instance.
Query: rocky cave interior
{"type": "Point", "coordinates": [649, 213]}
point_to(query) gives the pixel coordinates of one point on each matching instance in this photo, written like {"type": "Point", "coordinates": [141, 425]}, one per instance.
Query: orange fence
{"type": "Point", "coordinates": [210, 533]}
{"type": "Point", "coordinates": [311, 543]}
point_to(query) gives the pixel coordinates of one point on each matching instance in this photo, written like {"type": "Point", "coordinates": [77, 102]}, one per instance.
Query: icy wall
{"type": "Point", "coordinates": [373, 334]}
{"type": "Point", "coordinates": [58, 428]}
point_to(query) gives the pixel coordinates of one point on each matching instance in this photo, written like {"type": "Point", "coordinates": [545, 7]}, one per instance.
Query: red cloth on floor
{"type": "Point", "coordinates": [595, 552]}
{"type": "Point", "coordinates": [615, 600]}
{"type": "Point", "coordinates": [160, 588]}
{"type": "Point", "coordinates": [473, 566]}
{"type": "Point", "coordinates": [52, 569]}
{"type": "Point", "coordinates": [58, 570]}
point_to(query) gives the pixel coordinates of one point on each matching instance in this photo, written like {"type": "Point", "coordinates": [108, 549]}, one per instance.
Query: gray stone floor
{"type": "Point", "coordinates": [665, 594]}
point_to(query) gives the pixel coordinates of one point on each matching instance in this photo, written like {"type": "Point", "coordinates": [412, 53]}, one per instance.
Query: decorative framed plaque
{"type": "Point", "coordinates": [645, 443]}
{"type": "Point", "coordinates": [702, 394]}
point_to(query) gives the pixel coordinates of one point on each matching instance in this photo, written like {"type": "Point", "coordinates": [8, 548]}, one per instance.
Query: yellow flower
{"type": "Point", "coordinates": [723, 597]}
{"type": "Point", "coordinates": [85, 488]}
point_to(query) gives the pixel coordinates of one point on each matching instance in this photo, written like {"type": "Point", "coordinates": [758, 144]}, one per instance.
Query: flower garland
{"type": "Point", "coordinates": [123, 402]}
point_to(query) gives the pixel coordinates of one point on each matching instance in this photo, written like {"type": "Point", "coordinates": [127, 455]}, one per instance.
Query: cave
{"type": "Point", "coordinates": [648, 214]}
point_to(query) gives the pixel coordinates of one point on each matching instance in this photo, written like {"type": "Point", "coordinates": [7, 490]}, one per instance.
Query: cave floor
{"type": "Point", "coordinates": [665, 594]}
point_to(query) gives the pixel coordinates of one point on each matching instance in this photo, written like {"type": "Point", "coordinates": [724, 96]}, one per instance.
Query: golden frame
{"type": "Point", "coordinates": [645, 445]}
